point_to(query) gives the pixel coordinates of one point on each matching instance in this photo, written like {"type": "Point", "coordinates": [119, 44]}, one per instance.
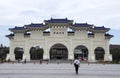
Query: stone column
{"type": "Point", "coordinates": [46, 55]}
{"type": "Point", "coordinates": [71, 54]}
{"type": "Point", "coordinates": [11, 55]}
{"type": "Point", "coordinates": [91, 54]}
{"type": "Point", "coordinates": [107, 56]}
{"type": "Point", "coordinates": [70, 50]}
{"type": "Point", "coordinates": [26, 54]}
{"type": "Point", "coordinates": [46, 48]}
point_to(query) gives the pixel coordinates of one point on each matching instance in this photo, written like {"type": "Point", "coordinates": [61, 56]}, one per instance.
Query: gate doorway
{"type": "Point", "coordinates": [81, 52]}
{"type": "Point", "coordinates": [18, 53]}
{"type": "Point", "coordinates": [36, 53]}
{"type": "Point", "coordinates": [58, 52]}
{"type": "Point", "coordinates": [99, 53]}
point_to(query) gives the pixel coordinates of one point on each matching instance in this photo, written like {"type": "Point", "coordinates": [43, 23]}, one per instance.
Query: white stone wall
{"type": "Point", "coordinates": [46, 42]}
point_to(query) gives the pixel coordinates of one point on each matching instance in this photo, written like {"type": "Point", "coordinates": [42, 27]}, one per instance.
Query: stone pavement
{"type": "Point", "coordinates": [62, 70]}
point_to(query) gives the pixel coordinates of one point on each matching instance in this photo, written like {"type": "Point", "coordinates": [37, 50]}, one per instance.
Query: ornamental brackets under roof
{"type": "Point", "coordinates": [59, 22]}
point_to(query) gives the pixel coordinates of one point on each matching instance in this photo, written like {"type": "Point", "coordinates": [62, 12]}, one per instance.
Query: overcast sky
{"type": "Point", "coordinates": [98, 12]}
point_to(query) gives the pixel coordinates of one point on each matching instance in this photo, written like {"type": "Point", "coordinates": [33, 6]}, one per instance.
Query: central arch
{"type": "Point", "coordinates": [58, 52]}
{"type": "Point", "coordinates": [81, 52]}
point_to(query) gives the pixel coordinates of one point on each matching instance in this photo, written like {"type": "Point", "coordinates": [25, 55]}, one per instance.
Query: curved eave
{"type": "Point", "coordinates": [100, 30]}
{"type": "Point", "coordinates": [10, 36]}
{"type": "Point", "coordinates": [109, 36]}
{"type": "Point", "coordinates": [18, 31]}
{"type": "Point", "coordinates": [38, 28]}
{"type": "Point", "coordinates": [58, 21]}
{"type": "Point", "coordinates": [80, 28]}
{"type": "Point", "coordinates": [59, 24]}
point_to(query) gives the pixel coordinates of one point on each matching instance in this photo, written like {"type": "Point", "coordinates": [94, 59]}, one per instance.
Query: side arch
{"type": "Point", "coordinates": [99, 53]}
{"type": "Point", "coordinates": [36, 52]}
{"type": "Point", "coordinates": [18, 51]}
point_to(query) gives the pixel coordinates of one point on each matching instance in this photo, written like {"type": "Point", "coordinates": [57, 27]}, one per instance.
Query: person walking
{"type": "Point", "coordinates": [76, 65]}
{"type": "Point", "coordinates": [25, 61]}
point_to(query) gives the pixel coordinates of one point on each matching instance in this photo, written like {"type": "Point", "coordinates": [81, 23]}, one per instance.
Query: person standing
{"type": "Point", "coordinates": [76, 65]}
{"type": "Point", "coordinates": [25, 61]}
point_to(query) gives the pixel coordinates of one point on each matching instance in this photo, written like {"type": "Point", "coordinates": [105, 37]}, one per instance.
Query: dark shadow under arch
{"type": "Point", "coordinates": [58, 52]}
{"type": "Point", "coordinates": [81, 52]}
{"type": "Point", "coordinates": [18, 53]}
{"type": "Point", "coordinates": [99, 53]}
{"type": "Point", "coordinates": [36, 53]}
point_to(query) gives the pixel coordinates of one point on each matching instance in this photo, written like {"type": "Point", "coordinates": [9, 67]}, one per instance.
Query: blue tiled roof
{"type": "Point", "coordinates": [90, 33]}
{"type": "Point", "coordinates": [108, 35]}
{"type": "Point", "coordinates": [82, 25]}
{"type": "Point", "coordinates": [17, 28]}
{"type": "Point", "coordinates": [58, 20]}
{"type": "Point", "coordinates": [10, 35]}
{"type": "Point", "coordinates": [27, 33]}
{"type": "Point", "coordinates": [35, 25]}
{"type": "Point", "coordinates": [100, 28]}
{"type": "Point", "coordinates": [46, 32]}
{"type": "Point", "coordinates": [71, 32]}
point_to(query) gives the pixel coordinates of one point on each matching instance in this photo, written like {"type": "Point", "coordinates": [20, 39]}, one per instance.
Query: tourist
{"type": "Point", "coordinates": [25, 61]}
{"type": "Point", "coordinates": [40, 61]}
{"type": "Point", "coordinates": [18, 60]}
{"type": "Point", "coordinates": [76, 64]}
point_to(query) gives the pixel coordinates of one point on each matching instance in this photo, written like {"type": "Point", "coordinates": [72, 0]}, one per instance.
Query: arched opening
{"type": "Point", "coordinates": [81, 52]}
{"type": "Point", "coordinates": [36, 53]}
{"type": "Point", "coordinates": [18, 53]}
{"type": "Point", "coordinates": [99, 53]}
{"type": "Point", "coordinates": [58, 52]}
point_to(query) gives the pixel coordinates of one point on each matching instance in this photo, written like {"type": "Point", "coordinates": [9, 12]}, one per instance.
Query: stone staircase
{"type": "Point", "coordinates": [52, 61]}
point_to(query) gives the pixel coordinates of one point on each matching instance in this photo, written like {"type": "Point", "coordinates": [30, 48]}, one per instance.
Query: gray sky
{"type": "Point", "coordinates": [98, 12]}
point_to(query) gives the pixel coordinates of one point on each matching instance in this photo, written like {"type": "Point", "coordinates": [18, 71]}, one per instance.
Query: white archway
{"type": "Point", "coordinates": [58, 52]}
{"type": "Point", "coordinates": [18, 51]}
{"type": "Point", "coordinates": [99, 53]}
{"type": "Point", "coordinates": [36, 52]}
{"type": "Point", "coordinates": [81, 52]}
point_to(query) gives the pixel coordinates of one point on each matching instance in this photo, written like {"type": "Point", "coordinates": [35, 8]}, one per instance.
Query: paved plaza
{"type": "Point", "coordinates": [62, 70]}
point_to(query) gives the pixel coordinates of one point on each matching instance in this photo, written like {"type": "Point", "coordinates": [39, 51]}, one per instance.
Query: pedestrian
{"type": "Point", "coordinates": [18, 60]}
{"type": "Point", "coordinates": [76, 65]}
{"type": "Point", "coordinates": [40, 61]}
{"type": "Point", "coordinates": [25, 61]}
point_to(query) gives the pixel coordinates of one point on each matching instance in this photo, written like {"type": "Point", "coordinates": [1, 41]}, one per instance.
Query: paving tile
{"type": "Point", "coordinates": [63, 70]}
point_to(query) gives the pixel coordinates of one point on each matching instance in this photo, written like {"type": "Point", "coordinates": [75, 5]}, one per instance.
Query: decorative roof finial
{"type": "Point", "coordinates": [51, 18]}
{"type": "Point", "coordinates": [66, 18]}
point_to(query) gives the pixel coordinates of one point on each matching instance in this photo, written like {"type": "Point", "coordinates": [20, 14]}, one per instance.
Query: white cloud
{"type": "Point", "coordinates": [21, 12]}
{"type": "Point", "coordinates": [98, 12]}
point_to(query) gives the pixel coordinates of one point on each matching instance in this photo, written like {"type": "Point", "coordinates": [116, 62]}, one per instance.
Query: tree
{"type": "Point", "coordinates": [115, 54]}
{"type": "Point", "coordinates": [18, 53]}
{"type": "Point", "coordinates": [3, 52]}
{"type": "Point", "coordinates": [36, 53]}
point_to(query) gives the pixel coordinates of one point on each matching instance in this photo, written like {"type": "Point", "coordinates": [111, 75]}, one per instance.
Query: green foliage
{"type": "Point", "coordinates": [116, 55]}
{"type": "Point", "coordinates": [18, 54]}
{"type": "Point", "coordinates": [3, 52]}
{"type": "Point", "coordinates": [36, 54]}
